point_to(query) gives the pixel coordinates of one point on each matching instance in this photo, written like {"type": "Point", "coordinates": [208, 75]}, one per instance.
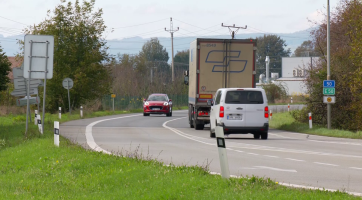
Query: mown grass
{"type": "Point", "coordinates": [285, 121]}
{"type": "Point", "coordinates": [33, 168]}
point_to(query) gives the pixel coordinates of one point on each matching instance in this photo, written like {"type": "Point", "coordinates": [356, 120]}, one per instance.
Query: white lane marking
{"type": "Point", "coordinates": [331, 142]}
{"type": "Point", "coordinates": [271, 156]}
{"type": "Point", "coordinates": [238, 151]}
{"type": "Point", "coordinates": [355, 168]}
{"type": "Point", "coordinates": [277, 169]}
{"type": "Point", "coordinates": [88, 134]}
{"type": "Point", "coordinates": [317, 188]}
{"type": "Point", "coordinates": [319, 163]}
{"type": "Point", "coordinates": [279, 135]}
{"type": "Point", "coordinates": [253, 154]}
{"type": "Point", "coordinates": [295, 160]}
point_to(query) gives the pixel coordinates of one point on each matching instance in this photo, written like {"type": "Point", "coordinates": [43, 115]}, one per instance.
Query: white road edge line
{"type": "Point", "coordinates": [355, 168]}
{"type": "Point", "coordinates": [319, 163]}
{"type": "Point", "coordinates": [91, 143]}
{"type": "Point", "coordinates": [277, 169]}
{"type": "Point", "coordinates": [271, 156]}
{"type": "Point", "coordinates": [89, 137]}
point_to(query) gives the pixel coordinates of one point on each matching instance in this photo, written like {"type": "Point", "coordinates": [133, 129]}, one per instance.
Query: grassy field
{"type": "Point", "coordinates": [284, 121]}
{"type": "Point", "coordinates": [31, 167]}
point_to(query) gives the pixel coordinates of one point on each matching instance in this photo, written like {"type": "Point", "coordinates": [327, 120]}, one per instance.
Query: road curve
{"type": "Point", "coordinates": [287, 157]}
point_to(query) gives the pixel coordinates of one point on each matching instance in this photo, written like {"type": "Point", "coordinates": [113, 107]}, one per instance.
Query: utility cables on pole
{"type": "Point", "coordinates": [231, 31]}
{"type": "Point", "coordinates": [172, 31]}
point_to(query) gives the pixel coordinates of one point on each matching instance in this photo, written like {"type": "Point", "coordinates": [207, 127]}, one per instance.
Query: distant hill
{"type": "Point", "coordinates": [134, 45]}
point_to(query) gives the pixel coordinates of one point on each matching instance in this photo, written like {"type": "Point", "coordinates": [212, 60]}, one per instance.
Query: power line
{"type": "Point", "coordinates": [141, 24]}
{"type": "Point", "coordinates": [13, 21]}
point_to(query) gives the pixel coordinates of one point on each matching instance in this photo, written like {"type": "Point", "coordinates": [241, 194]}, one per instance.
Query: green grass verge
{"type": "Point", "coordinates": [285, 121]}
{"type": "Point", "coordinates": [35, 169]}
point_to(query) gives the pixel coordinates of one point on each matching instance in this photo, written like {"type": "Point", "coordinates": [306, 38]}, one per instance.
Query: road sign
{"type": "Point", "coordinates": [68, 83]}
{"type": "Point", "coordinates": [113, 95]}
{"type": "Point", "coordinates": [329, 83]}
{"type": "Point", "coordinates": [39, 54]}
{"type": "Point", "coordinates": [329, 91]}
{"type": "Point", "coordinates": [19, 83]}
{"type": "Point", "coordinates": [329, 99]}
{"type": "Point", "coordinates": [22, 101]}
{"type": "Point", "coordinates": [22, 92]}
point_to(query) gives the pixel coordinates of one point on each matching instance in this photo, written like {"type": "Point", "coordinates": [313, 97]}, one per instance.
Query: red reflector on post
{"type": "Point", "coordinates": [310, 117]}
{"type": "Point", "coordinates": [221, 113]}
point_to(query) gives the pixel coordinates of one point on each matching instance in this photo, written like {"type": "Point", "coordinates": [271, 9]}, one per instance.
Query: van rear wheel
{"type": "Point", "coordinates": [212, 134]}
{"type": "Point", "coordinates": [264, 135]}
{"type": "Point", "coordinates": [256, 135]}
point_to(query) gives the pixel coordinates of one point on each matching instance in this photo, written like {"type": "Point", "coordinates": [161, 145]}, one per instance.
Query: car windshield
{"type": "Point", "coordinates": [157, 98]}
{"type": "Point", "coordinates": [244, 97]}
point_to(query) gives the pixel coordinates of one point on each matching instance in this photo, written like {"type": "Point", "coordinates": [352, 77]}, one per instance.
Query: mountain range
{"type": "Point", "coordinates": [134, 45]}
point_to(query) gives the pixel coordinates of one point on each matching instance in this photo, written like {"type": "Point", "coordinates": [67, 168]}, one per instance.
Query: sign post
{"type": "Point", "coordinates": [113, 96]}
{"type": "Point", "coordinates": [68, 84]}
{"type": "Point", "coordinates": [329, 90]}
{"type": "Point", "coordinates": [38, 63]}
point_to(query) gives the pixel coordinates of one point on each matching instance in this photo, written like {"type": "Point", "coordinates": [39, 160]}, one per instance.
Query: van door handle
{"type": "Point", "coordinates": [239, 108]}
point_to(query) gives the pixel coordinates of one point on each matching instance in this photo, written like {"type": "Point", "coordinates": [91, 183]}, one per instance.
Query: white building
{"type": "Point", "coordinates": [293, 73]}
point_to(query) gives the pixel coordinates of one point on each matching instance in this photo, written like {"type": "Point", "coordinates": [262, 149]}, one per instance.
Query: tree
{"type": "Point", "coordinates": [306, 49]}
{"type": "Point", "coordinates": [4, 70]}
{"type": "Point", "coordinates": [154, 57]}
{"type": "Point", "coordinates": [274, 47]}
{"type": "Point", "coordinates": [80, 53]}
{"type": "Point", "coordinates": [345, 67]}
{"type": "Point", "coordinates": [181, 62]}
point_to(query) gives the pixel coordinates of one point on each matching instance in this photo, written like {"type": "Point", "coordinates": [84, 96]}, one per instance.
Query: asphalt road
{"type": "Point", "coordinates": [286, 157]}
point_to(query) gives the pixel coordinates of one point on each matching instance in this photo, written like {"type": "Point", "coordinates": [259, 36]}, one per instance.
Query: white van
{"type": "Point", "coordinates": [240, 111]}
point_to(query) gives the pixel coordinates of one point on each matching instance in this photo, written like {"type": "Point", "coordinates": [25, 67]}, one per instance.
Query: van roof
{"type": "Point", "coordinates": [250, 89]}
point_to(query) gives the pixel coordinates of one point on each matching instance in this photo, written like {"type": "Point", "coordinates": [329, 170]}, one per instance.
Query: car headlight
{"type": "Point", "coordinates": [165, 104]}
{"type": "Point", "coordinates": [146, 103]}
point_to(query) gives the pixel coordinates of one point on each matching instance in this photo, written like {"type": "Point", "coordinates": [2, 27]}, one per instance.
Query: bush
{"type": "Point", "coordinates": [275, 91]}
{"type": "Point", "coordinates": [300, 115]}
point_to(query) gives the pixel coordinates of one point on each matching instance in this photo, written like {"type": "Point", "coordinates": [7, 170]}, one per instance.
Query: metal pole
{"type": "Point", "coordinates": [70, 109]}
{"type": "Point", "coordinates": [28, 89]}
{"type": "Point", "coordinates": [173, 70]}
{"type": "Point", "coordinates": [45, 83]}
{"type": "Point", "coordinates": [113, 104]}
{"type": "Point", "coordinates": [328, 63]}
{"type": "Point", "coordinates": [37, 96]}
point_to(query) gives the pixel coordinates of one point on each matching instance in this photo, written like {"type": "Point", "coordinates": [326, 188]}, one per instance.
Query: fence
{"type": "Point", "coordinates": [130, 103]}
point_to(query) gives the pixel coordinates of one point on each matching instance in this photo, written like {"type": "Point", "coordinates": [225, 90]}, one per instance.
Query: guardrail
{"type": "Point", "coordinates": [284, 108]}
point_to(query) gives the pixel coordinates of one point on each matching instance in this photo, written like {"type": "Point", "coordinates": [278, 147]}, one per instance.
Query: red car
{"type": "Point", "coordinates": [157, 104]}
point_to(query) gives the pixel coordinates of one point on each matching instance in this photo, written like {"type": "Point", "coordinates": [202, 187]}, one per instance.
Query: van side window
{"type": "Point", "coordinates": [218, 97]}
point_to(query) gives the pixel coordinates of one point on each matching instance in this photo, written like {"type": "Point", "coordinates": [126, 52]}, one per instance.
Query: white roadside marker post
{"type": "Point", "coordinates": [291, 100]}
{"type": "Point", "coordinates": [39, 124]}
{"type": "Point", "coordinates": [60, 112]}
{"type": "Point", "coordinates": [224, 163]}
{"type": "Point", "coordinates": [35, 119]}
{"type": "Point", "coordinates": [81, 111]}
{"type": "Point", "coordinates": [271, 114]}
{"type": "Point", "coordinates": [288, 107]}
{"type": "Point", "coordinates": [310, 120]}
{"type": "Point", "coordinates": [56, 133]}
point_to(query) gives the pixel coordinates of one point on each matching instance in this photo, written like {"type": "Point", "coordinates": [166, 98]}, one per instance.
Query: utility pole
{"type": "Point", "coordinates": [328, 63]}
{"type": "Point", "coordinates": [172, 31]}
{"type": "Point", "coordinates": [233, 32]}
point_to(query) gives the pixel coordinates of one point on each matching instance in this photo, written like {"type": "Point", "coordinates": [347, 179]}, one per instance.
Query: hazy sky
{"type": "Point", "coordinates": [194, 17]}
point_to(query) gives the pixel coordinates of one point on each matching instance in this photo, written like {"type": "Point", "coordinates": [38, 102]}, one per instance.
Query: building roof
{"type": "Point", "coordinates": [14, 63]}
{"type": "Point", "coordinates": [290, 79]}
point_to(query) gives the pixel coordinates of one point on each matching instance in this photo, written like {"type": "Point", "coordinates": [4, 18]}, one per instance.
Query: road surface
{"type": "Point", "coordinates": [286, 157]}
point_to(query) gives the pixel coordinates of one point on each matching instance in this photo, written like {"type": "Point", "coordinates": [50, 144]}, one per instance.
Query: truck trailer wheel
{"type": "Point", "coordinates": [199, 126]}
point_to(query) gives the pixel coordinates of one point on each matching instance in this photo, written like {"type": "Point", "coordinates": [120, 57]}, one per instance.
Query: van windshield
{"type": "Point", "coordinates": [244, 97]}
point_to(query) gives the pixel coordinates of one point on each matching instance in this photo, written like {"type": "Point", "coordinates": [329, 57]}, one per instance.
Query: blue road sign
{"type": "Point", "coordinates": [329, 83]}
